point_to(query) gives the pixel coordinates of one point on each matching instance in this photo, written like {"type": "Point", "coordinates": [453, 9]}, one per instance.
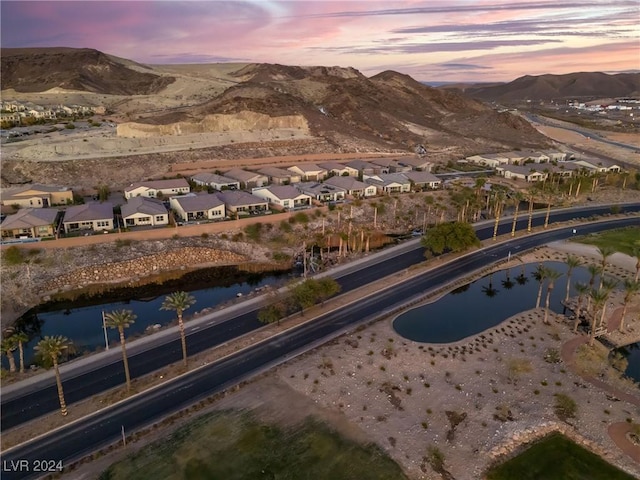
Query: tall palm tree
{"type": "Point", "coordinates": [499, 206]}
{"type": "Point", "coordinates": [179, 301]}
{"type": "Point", "coordinates": [605, 251]}
{"type": "Point", "coordinates": [517, 199]}
{"type": "Point", "coordinates": [552, 276]}
{"type": "Point", "coordinates": [594, 271]}
{"type": "Point", "coordinates": [631, 287]}
{"type": "Point", "coordinates": [540, 274]}
{"type": "Point", "coordinates": [121, 319]}
{"type": "Point", "coordinates": [8, 346]}
{"type": "Point", "coordinates": [635, 252]}
{"type": "Point", "coordinates": [582, 289]}
{"type": "Point", "coordinates": [599, 299]}
{"type": "Point", "coordinates": [53, 347]}
{"type": "Point", "coordinates": [608, 284]}
{"type": "Point", "coordinates": [572, 262]}
{"type": "Point", "coordinates": [21, 338]}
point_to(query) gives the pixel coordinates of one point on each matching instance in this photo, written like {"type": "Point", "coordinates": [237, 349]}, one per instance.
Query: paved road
{"type": "Point", "coordinates": [91, 433]}
{"type": "Point", "coordinates": [38, 396]}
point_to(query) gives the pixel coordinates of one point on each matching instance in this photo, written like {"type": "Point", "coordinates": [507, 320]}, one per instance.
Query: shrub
{"type": "Point", "coordinates": [253, 231]}
{"type": "Point", "coordinates": [70, 126]}
{"type": "Point", "coordinates": [13, 256]}
{"type": "Point", "coordinates": [565, 407]}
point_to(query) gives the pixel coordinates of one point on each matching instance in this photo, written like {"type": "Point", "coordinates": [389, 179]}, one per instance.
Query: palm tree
{"type": "Point", "coordinates": [121, 319]}
{"type": "Point", "coordinates": [582, 289]}
{"type": "Point", "coordinates": [604, 251]}
{"type": "Point", "coordinates": [599, 299]}
{"type": "Point", "coordinates": [8, 346]}
{"type": "Point", "coordinates": [631, 287]}
{"type": "Point", "coordinates": [499, 205]}
{"type": "Point", "coordinates": [540, 274]}
{"type": "Point", "coordinates": [552, 275]}
{"type": "Point", "coordinates": [635, 252]}
{"type": "Point", "coordinates": [21, 338]}
{"type": "Point", "coordinates": [179, 301]}
{"type": "Point", "coordinates": [517, 199]}
{"type": "Point", "coordinates": [572, 262]}
{"type": "Point", "coordinates": [594, 271]}
{"type": "Point", "coordinates": [53, 347]}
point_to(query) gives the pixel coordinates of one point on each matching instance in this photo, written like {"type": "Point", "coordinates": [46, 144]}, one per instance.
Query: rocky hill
{"type": "Point", "coordinates": [83, 69]}
{"type": "Point", "coordinates": [584, 85]}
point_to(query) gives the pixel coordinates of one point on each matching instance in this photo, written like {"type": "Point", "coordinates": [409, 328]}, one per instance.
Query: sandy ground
{"type": "Point", "coordinates": [373, 385]}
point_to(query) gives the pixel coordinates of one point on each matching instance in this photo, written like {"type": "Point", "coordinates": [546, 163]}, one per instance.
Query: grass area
{"type": "Point", "coordinates": [232, 445]}
{"type": "Point", "coordinates": [622, 239]}
{"type": "Point", "coordinates": [556, 458]}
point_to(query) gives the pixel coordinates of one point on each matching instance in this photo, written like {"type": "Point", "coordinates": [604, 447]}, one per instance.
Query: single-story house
{"type": "Point", "coordinates": [388, 165]}
{"type": "Point", "coordinates": [423, 179]}
{"type": "Point", "coordinates": [538, 157]}
{"type": "Point", "coordinates": [323, 192]}
{"type": "Point", "coordinates": [339, 169]}
{"type": "Point", "coordinates": [309, 172]}
{"type": "Point", "coordinates": [520, 172]}
{"type": "Point", "coordinates": [31, 223]}
{"type": "Point", "coordinates": [363, 168]}
{"type": "Point", "coordinates": [352, 186]}
{"type": "Point", "coordinates": [555, 156]}
{"type": "Point", "coordinates": [599, 165]}
{"type": "Point", "coordinates": [280, 176]}
{"type": "Point", "coordinates": [202, 206]}
{"type": "Point", "coordinates": [246, 178]}
{"type": "Point", "coordinates": [567, 169]}
{"type": "Point", "coordinates": [489, 159]}
{"type": "Point", "coordinates": [389, 182]}
{"type": "Point", "coordinates": [157, 188]}
{"type": "Point", "coordinates": [90, 216]}
{"type": "Point", "coordinates": [215, 181]}
{"type": "Point", "coordinates": [417, 163]}
{"type": "Point", "coordinates": [243, 203]}
{"type": "Point", "coordinates": [285, 196]}
{"type": "Point", "coordinates": [144, 211]}
{"type": "Point", "coordinates": [37, 196]}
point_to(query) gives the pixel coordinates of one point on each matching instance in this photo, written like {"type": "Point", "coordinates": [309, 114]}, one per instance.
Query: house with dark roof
{"type": "Point", "coordinates": [217, 182]}
{"type": "Point", "coordinates": [518, 172]}
{"type": "Point", "coordinates": [143, 211]}
{"type": "Point", "coordinates": [352, 186]}
{"type": "Point", "coordinates": [90, 216]}
{"type": "Point", "coordinates": [284, 196]}
{"type": "Point", "coordinates": [416, 163]}
{"type": "Point", "coordinates": [389, 182]}
{"type": "Point", "coordinates": [363, 168]}
{"type": "Point", "coordinates": [323, 192]}
{"type": "Point", "coordinates": [309, 172]}
{"type": "Point", "coordinates": [198, 207]}
{"type": "Point", "coordinates": [241, 203]}
{"type": "Point", "coordinates": [423, 179]}
{"type": "Point", "coordinates": [339, 169]}
{"type": "Point", "coordinates": [157, 188]}
{"type": "Point", "coordinates": [30, 223]}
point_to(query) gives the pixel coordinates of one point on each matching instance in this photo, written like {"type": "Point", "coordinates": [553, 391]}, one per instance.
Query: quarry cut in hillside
{"type": "Point", "coordinates": [215, 123]}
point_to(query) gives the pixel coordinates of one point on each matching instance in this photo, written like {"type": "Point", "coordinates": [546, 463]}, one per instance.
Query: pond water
{"type": "Point", "coordinates": [81, 320]}
{"type": "Point", "coordinates": [484, 303]}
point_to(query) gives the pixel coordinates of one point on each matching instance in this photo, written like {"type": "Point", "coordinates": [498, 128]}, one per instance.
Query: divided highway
{"type": "Point", "coordinates": [88, 434]}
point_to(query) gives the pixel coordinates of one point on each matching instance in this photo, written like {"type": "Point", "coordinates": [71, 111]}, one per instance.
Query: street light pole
{"type": "Point", "coordinates": [104, 329]}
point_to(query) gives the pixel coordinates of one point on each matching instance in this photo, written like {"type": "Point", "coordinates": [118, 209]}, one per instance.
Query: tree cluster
{"type": "Point", "coordinates": [449, 237]}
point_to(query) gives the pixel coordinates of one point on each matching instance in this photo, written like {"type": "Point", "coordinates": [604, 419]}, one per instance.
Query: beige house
{"type": "Point", "coordinates": [198, 207]}
{"type": "Point", "coordinates": [90, 216]}
{"type": "Point", "coordinates": [280, 176]}
{"type": "Point", "coordinates": [352, 186]}
{"type": "Point", "coordinates": [417, 163]}
{"type": "Point", "coordinates": [423, 179]}
{"type": "Point", "coordinates": [339, 169]}
{"type": "Point", "coordinates": [389, 182]}
{"type": "Point", "coordinates": [217, 182]}
{"type": "Point", "coordinates": [143, 211]}
{"type": "Point", "coordinates": [246, 178]}
{"type": "Point", "coordinates": [30, 223]}
{"type": "Point", "coordinates": [284, 196]}
{"type": "Point", "coordinates": [518, 172]}
{"type": "Point", "coordinates": [157, 188]}
{"type": "Point", "coordinates": [38, 196]}
{"type": "Point", "coordinates": [243, 203]}
{"type": "Point", "coordinates": [309, 172]}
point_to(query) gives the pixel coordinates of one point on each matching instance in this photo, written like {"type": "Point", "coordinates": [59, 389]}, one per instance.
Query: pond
{"type": "Point", "coordinates": [81, 320]}
{"type": "Point", "coordinates": [484, 303]}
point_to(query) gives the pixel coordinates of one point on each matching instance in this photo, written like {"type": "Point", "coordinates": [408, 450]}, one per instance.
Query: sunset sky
{"type": "Point", "coordinates": [434, 41]}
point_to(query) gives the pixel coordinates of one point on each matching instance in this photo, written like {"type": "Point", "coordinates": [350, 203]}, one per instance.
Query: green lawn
{"type": "Point", "coordinates": [622, 239]}
{"type": "Point", "coordinates": [556, 458]}
{"type": "Point", "coordinates": [232, 445]}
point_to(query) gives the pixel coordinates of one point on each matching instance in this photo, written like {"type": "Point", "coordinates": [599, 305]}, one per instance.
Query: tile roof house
{"type": "Point", "coordinates": [217, 182]}
{"type": "Point", "coordinates": [242, 203]}
{"type": "Point", "coordinates": [599, 165]}
{"type": "Point", "coordinates": [90, 216]}
{"type": "Point", "coordinates": [352, 186]}
{"type": "Point", "coordinates": [423, 179]}
{"type": "Point", "coordinates": [389, 182]}
{"type": "Point", "coordinates": [144, 211]}
{"type": "Point", "coordinates": [246, 178]}
{"type": "Point", "coordinates": [489, 159]}
{"type": "Point", "coordinates": [194, 207]}
{"type": "Point", "coordinates": [389, 165]}
{"type": "Point", "coordinates": [309, 172]}
{"type": "Point", "coordinates": [363, 168]}
{"type": "Point", "coordinates": [155, 188]}
{"type": "Point", "coordinates": [280, 176]}
{"type": "Point", "coordinates": [519, 172]}
{"type": "Point", "coordinates": [285, 196]}
{"type": "Point", "coordinates": [339, 169]}
{"type": "Point", "coordinates": [417, 163]}
{"type": "Point", "coordinates": [37, 196]}
{"type": "Point", "coordinates": [323, 192]}
{"type": "Point", "coordinates": [31, 223]}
